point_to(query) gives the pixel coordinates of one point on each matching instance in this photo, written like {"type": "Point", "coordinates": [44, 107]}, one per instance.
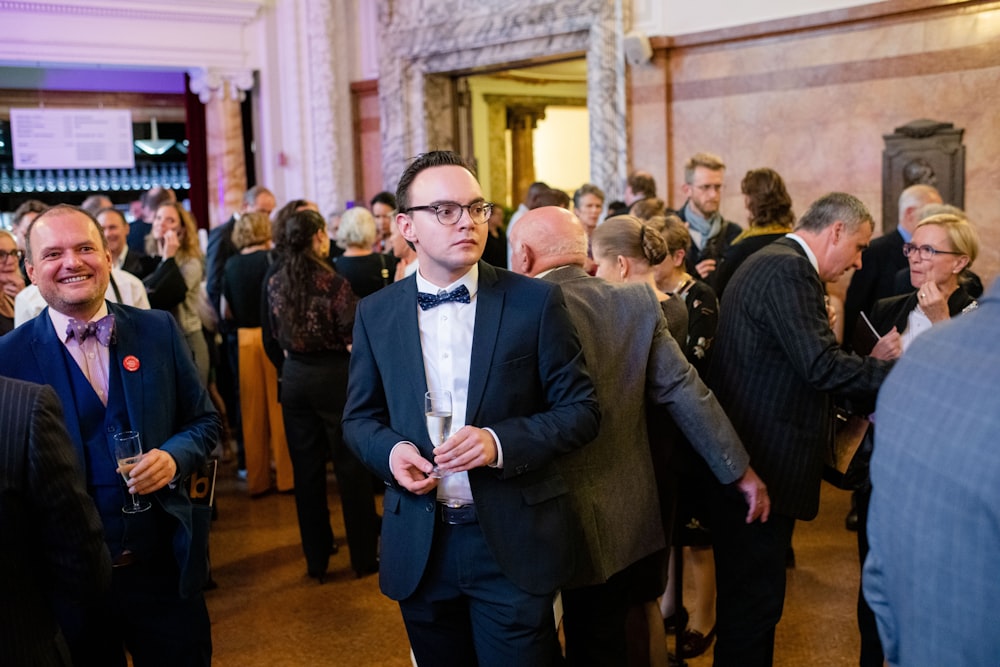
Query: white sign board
{"type": "Point", "coordinates": [72, 138]}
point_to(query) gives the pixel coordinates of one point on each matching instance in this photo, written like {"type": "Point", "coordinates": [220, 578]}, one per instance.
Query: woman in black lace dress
{"type": "Point", "coordinates": [311, 313]}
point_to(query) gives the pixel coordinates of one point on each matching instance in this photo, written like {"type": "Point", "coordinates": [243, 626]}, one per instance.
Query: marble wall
{"type": "Point", "coordinates": [815, 102]}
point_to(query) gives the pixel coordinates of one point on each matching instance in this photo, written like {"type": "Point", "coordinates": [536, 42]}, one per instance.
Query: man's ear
{"type": "Point", "coordinates": [526, 259]}
{"type": "Point", "coordinates": [30, 270]}
{"type": "Point", "coordinates": [686, 189]}
{"type": "Point", "coordinates": [405, 224]}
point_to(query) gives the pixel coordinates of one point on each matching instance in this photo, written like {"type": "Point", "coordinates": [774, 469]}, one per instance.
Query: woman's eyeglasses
{"type": "Point", "coordinates": [925, 252]}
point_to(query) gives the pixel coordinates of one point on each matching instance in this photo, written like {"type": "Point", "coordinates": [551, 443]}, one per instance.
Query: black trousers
{"type": "Point", "coordinates": [143, 613]}
{"type": "Point", "coordinates": [750, 578]}
{"type": "Point", "coordinates": [871, 645]}
{"type": "Point", "coordinates": [313, 394]}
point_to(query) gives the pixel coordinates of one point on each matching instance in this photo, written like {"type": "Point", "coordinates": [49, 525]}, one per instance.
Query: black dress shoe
{"type": "Point", "coordinates": [677, 619]}
{"type": "Point", "coordinates": [693, 643]}
{"type": "Point", "coordinates": [367, 570]}
{"type": "Point", "coordinates": [319, 576]}
{"type": "Point", "coordinates": [851, 521]}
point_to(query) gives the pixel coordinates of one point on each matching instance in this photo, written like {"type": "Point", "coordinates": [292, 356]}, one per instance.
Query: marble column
{"type": "Point", "coordinates": [522, 122]}
{"type": "Point", "coordinates": [222, 93]}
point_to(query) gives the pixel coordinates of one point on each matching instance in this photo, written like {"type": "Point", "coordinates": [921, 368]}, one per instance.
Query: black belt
{"type": "Point", "coordinates": [457, 515]}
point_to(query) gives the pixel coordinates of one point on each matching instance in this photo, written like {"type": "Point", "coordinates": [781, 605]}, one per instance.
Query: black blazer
{"type": "Point", "coordinates": [894, 311]}
{"type": "Point", "coordinates": [775, 367]}
{"type": "Point", "coordinates": [876, 279]}
{"type": "Point", "coordinates": [527, 382]}
{"type": "Point", "coordinates": [51, 539]}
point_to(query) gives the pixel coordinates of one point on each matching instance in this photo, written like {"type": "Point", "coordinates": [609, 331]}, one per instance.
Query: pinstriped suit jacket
{"type": "Point", "coordinates": [632, 359]}
{"type": "Point", "coordinates": [775, 368]}
{"type": "Point", "coordinates": [51, 540]}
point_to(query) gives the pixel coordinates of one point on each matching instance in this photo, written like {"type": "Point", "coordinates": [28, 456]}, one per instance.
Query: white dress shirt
{"type": "Point", "coordinates": [446, 333]}
{"type": "Point", "coordinates": [29, 302]}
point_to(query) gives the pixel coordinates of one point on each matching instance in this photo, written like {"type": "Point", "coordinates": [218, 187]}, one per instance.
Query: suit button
{"type": "Point", "coordinates": [429, 507]}
{"type": "Point", "coordinates": [111, 429]}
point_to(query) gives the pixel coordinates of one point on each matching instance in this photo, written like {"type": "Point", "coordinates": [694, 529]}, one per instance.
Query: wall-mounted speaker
{"type": "Point", "coordinates": [638, 50]}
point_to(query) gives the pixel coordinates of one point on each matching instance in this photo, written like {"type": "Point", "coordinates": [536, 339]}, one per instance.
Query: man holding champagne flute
{"type": "Point", "coordinates": [119, 369]}
{"type": "Point", "coordinates": [476, 533]}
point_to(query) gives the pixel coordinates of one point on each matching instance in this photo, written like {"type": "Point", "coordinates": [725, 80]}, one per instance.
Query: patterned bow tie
{"type": "Point", "coordinates": [103, 329]}
{"type": "Point", "coordinates": [427, 301]}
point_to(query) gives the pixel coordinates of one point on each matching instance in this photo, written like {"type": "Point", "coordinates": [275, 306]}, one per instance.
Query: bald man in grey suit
{"type": "Point", "coordinates": [613, 492]}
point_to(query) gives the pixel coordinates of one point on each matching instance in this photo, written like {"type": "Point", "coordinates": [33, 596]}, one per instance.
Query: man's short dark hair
{"type": "Point", "coordinates": [55, 210]}
{"type": "Point", "coordinates": [156, 197]}
{"type": "Point", "coordinates": [642, 184]}
{"type": "Point", "coordinates": [832, 207]}
{"type": "Point", "coordinates": [383, 197]}
{"type": "Point", "coordinates": [29, 206]}
{"type": "Point", "coordinates": [422, 162]}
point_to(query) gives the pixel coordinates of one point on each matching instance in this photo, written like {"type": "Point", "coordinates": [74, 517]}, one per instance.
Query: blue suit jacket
{"type": "Point", "coordinates": [527, 382]}
{"type": "Point", "coordinates": [934, 520]}
{"type": "Point", "coordinates": [165, 401]}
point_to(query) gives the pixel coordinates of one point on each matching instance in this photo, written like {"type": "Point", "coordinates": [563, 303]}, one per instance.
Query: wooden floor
{"type": "Point", "coordinates": [266, 612]}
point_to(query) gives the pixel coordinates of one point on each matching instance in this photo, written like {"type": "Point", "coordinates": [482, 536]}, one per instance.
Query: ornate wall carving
{"type": "Point", "coordinates": [424, 41]}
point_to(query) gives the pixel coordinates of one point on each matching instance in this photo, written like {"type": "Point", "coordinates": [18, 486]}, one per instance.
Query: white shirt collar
{"type": "Point", "coordinates": [470, 280]}
{"type": "Point", "coordinates": [805, 246]}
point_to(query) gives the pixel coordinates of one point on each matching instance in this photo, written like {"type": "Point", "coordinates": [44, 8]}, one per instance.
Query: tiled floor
{"type": "Point", "coordinates": [266, 612]}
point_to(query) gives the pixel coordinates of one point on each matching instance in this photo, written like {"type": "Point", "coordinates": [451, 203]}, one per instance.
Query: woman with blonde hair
{"type": "Point", "coordinates": [366, 270]}
{"type": "Point", "coordinates": [176, 235]}
{"type": "Point", "coordinates": [942, 246]}
{"type": "Point", "coordinates": [11, 280]}
{"type": "Point", "coordinates": [627, 250]}
{"type": "Point", "coordinates": [260, 412]}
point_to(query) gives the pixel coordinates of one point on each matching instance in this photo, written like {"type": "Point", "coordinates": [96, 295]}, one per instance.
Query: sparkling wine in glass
{"type": "Point", "coordinates": [128, 452]}
{"type": "Point", "coordinates": [437, 409]}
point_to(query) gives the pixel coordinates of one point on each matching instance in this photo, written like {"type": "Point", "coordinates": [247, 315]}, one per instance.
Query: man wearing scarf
{"type": "Point", "coordinates": [711, 234]}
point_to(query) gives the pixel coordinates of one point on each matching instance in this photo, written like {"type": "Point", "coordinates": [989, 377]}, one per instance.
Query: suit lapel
{"type": "Point", "coordinates": [489, 308]}
{"type": "Point", "coordinates": [407, 345]}
{"type": "Point", "coordinates": [126, 338]}
{"type": "Point", "coordinates": [46, 347]}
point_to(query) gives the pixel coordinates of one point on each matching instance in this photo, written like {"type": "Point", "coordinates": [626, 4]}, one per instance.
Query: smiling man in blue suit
{"type": "Point", "coordinates": [114, 369]}
{"type": "Point", "coordinates": [473, 557]}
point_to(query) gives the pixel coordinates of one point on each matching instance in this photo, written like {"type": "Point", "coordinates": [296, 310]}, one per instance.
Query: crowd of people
{"type": "Point", "coordinates": [634, 389]}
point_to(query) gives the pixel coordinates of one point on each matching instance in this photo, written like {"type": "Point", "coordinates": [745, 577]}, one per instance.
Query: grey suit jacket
{"type": "Point", "coordinates": [51, 540]}
{"type": "Point", "coordinates": [632, 358]}
{"type": "Point", "coordinates": [934, 520]}
{"type": "Point", "coordinates": [776, 365]}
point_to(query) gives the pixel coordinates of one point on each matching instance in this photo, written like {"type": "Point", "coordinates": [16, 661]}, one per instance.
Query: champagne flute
{"type": "Point", "coordinates": [128, 452]}
{"type": "Point", "coordinates": [437, 409]}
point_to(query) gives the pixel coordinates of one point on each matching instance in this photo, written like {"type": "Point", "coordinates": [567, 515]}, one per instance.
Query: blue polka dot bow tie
{"type": "Point", "coordinates": [427, 301]}
{"type": "Point", "coordinates": [103, 329]}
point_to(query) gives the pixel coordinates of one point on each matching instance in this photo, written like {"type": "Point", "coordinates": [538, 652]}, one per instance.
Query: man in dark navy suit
{"type": "Point", "coordinates": [474, 556]}
{"type": "Point", "coordinates": [776, 366]}
{"type": "Point", "coordinates": [114, 369]}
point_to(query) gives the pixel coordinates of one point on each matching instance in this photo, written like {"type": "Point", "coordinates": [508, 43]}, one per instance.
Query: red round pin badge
{"type": "Point", "coordinates": [131, 363]}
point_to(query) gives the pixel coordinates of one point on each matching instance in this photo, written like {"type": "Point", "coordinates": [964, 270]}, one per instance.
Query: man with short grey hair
{"type": "Point", "coordinates": [776, 367]}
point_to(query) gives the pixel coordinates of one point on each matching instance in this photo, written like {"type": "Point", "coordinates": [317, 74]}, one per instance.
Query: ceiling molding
{"type": "Point", "coordinates": [217, 11]}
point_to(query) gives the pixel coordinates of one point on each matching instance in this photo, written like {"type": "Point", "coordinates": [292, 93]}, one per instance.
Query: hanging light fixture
{"type": "Point", "coordinates": [154, 145]}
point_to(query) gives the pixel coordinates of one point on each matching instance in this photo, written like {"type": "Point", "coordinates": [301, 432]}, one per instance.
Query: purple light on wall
{"type": "Point", "coordinates": [98, 79]}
